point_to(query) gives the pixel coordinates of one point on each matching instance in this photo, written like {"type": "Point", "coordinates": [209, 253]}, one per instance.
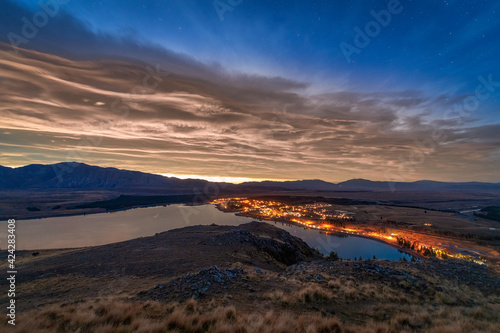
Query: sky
{"type": "Point", "coordinates": [383, 90]}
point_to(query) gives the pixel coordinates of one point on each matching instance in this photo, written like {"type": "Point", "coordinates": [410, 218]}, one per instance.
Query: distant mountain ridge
{"type": "Point", "coordinates": [82, 176]}
{"type": "Point", "coordinates": [369, 185]}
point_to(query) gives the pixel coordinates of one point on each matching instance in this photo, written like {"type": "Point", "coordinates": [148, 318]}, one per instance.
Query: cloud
{"type": "Point", "coordinates": [68, 37]}
{"type": "Point", "coordinates": [188, 126]}
{"type": "Point", "coordinates": [76, 99]}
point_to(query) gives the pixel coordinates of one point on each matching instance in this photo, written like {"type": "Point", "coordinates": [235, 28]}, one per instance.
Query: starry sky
{"type": "Point", "coordinates": [237, 89]}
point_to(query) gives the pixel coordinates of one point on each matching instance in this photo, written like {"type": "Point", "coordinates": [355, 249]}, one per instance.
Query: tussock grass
{"type": "Point", "coordinates": [124, 316]}
{"type": "Point", "coordinates": [115, 315]}
{"type": "Point", "coordinates": [335, 304]}
{"type": "Point", "coordinates": [382, 308]}
{"type": "Point", "coordinates": [339, 290]}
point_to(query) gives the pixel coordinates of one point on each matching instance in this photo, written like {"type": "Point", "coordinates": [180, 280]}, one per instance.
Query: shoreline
{"type": "Point", "coordinates": [104, 212]}
{"type": "Point", "coordinates": [404, 250]}
{"type": "Point", "coordinates": [239, 213]}
{"type": "Point", "coordinates": [416, 255]}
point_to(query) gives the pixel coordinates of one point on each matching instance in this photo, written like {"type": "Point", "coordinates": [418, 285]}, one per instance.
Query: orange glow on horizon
{"type": "Point", "coordinates": [218, 179]}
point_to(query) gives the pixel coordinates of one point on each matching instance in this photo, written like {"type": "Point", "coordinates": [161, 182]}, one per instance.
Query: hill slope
{"type": "Point", "coordinates": [248, 278]}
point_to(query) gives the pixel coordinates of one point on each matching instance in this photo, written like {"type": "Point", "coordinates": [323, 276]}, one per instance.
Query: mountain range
{"type": "Point", "coordinates": [82, 176]}
{"type": "Point", "coordinates": [73, 175]}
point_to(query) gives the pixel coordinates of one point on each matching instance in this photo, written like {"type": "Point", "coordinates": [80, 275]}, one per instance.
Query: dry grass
{"type": "Point", "coordinates": [340, 291]}
{"type": "Point", "coordinates": [124, 316]}
{"type": "Point", "coordinates": [297, 304]}
{"type": "Point", "coordinates": [118, 315]}
{"type": "Point", "coordinates": [380, 308]}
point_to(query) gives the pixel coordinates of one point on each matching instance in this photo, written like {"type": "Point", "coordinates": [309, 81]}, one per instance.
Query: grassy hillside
{"type": "Point", "coordinates": [250, 278]}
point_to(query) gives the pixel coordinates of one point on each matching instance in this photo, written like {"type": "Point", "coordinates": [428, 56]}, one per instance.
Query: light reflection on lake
{"type": "Point", "coordinates": [105, 228]}
{"type": "Point", "coordinates": [347, 246]}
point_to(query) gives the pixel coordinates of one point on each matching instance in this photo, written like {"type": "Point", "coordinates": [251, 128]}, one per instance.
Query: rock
{"type": "Point", "coordinates": [281, 246]}
{"type": "Point", "coordinates": [210, 279]}
{"type": "Point", "coordinates": [230, 274]}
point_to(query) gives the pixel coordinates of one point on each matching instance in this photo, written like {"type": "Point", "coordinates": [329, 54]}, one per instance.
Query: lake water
{"type": "Point", "coordinates": [105, 228]}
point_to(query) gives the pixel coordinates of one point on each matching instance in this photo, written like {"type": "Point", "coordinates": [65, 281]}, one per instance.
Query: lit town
{"type": "Point", "coordinates": [328, 218]}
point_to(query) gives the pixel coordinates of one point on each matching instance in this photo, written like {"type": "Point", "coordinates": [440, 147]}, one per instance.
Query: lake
{"type": "Point", "coordinates": [105, 228]}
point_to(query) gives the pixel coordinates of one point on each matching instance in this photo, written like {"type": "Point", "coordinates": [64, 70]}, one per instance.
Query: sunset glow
{"type": "Point", "coordinates": [283, 104]}
{"type": "Point", "coordinates": [233, 180]}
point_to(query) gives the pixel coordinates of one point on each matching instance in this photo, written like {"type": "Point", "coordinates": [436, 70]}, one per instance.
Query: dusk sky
{"type": "Point", "coordinates": [333, 90]}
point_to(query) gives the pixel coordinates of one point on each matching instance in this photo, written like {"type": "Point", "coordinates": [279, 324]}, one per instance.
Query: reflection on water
{"type": "Point", "coordinates": [99, 229]}
{"type": "Point", "coordinates": [347, 246]}
{"type": "Point", "coordinates": [105, 228]}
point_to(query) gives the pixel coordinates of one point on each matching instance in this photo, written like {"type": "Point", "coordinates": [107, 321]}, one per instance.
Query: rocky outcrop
{"type": "Point", "coordinates": [208, 281]}
{"type": "Point", "coordinates": [279, 244]}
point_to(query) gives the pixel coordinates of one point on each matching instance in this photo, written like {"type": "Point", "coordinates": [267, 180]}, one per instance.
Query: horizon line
{"type": "Point", "coordinates": [240, 180]}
